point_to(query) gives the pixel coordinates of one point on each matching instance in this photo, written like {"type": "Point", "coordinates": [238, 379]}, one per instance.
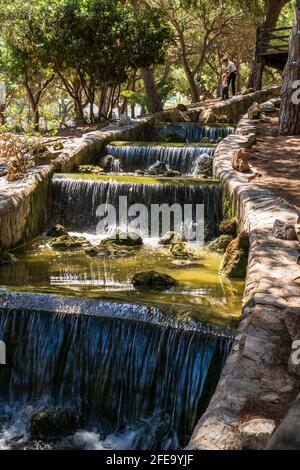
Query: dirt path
{"type": "Point", "coordinates": [277, 159]}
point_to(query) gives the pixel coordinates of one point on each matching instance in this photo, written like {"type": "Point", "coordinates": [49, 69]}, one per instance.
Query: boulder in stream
{"type": "Point", "coordinates": [153, 280]}
{"type": "Point", "coordinates": [159, 168]}
{"type": "Point", "coordinates": [235, 260]}
{"type": "Point", "coordinates": [69, 243]}
{"type": "Point", "coordinates": [220, 244]}
{"type": "Point", "coordinates": [57, 231]}
{"type": "Point", "coordinates": [228, 227]}
{"type": "Point", "coordinates": [48, 424]}
{"type": "Point", "coordinates": [204, 166]}
{"type": "Point", "coordinates": [181, 250]}
{"type": "Point", "coordinates": [124, 239]}
{"type": "Point", "coordinates": [90, 169]}
{"type": "Point", "coordinates": [171, 237]}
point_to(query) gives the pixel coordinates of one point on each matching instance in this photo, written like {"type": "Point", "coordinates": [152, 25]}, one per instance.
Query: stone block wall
{"type": "Point", "coordinates": [256, 386]}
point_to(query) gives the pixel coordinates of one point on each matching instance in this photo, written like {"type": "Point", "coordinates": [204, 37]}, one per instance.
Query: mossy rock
{"type": "Point", "coordinates": [235, 260]}
{"type": "Point", "coordinates": [68, 243]}
{"type": "Point", "coordinates": [223, 119]}
{"type": "Point", "coordinates": [152, 280]}
{"type": "Point", "coordinates": [7, 258]}
{"type": "Point", "coordinates": [171, 237]}
{"type": "Point", "coordinates": [53, 424]}
{"type": "Point", "coordinates": [205, 140]}
{"type": "Point", "coordinates": [173, 138]}
{"type": "Point", "coordinates": [124, 239]}
{"type": "Point", "coordinates": [228, 227]}
{"type": "Point", "coordinates": [90, 169]}
{"type": "Point", "coordinates": [158, 169]}
{"type": "Point", "coordinates": [57, 231]}
{"type": "Point", "coordinates": [181, 250]}
{"type": "Point", "coordinates": [220, 244]}
{"type": "Point", "coordinates": [122, 244]}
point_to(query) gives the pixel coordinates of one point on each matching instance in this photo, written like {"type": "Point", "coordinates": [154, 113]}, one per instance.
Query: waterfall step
{"type": "Point", "coordinates": [127, 143]}
{"type": "Point", "coordinates": [138, 180]}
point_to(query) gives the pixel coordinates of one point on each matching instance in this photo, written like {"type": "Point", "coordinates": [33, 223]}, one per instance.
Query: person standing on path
{"type": "Point", "coordinates": [229, 68]}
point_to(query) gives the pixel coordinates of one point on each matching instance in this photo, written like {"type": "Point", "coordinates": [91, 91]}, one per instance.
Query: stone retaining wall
{"type": "Point", "coordinates": [237, 106]}
{"type": "Point", "coordinates": [23, 206]}
{"type": "Point", "coordinates": [256, 388]}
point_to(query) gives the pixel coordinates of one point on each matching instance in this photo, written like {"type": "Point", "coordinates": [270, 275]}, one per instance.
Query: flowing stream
{"type": "Point", "coordinates": [93, 363]}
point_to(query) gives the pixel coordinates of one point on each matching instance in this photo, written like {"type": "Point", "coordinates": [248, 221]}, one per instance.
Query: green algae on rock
{"type": "Point", "coordinates": [181, 250]}
{"type": "Point", "coordinates": [220, 244]}
{"type": "Point", "coordinates": [228, 227]}
{"type": "Point", "coordinates": [235, 260]}
{"type": "Point", "coordinates": [135, 179]}
{"type": "Point", "coordinates": [171, 237]}
{"type": "Point", "coordinates": [68, 242]}
{"type": "Point", "coordinates": [127, 143]}
{"type": "Point", "coordinates": [153, 280]}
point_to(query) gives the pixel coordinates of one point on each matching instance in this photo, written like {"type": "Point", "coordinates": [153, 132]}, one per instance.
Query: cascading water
{"type": "Point", "coordinates": [195, 132]}
{"type": "Point", "coordinates": [120, 372]}
{"type": "Point", "coordinates": [74, 202]}
{"type": "Point", "coordinates": [132, 158]}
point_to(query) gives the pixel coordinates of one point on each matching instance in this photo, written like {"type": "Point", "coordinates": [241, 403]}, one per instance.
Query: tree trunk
{"type": "Point", "coordinates": [272, 13]}
{"type": "Point", "coordinates": [289, 120]}
{"type": "Point", "coordinates": [149, 82]}
{"type": "Point", "coordinates": [2, 116]}
{"type": "Point", "coordinates": [32, 102]}
{"type": "Point", "coordinates": [151, 90]}
{"type": "Point", "coordinates": [79, 113]}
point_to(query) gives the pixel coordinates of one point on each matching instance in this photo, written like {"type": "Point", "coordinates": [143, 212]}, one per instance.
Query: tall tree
{"type": "Point", "coordinates": [155, 103]}
{"type": "Point", "coordinates": [289, 121]}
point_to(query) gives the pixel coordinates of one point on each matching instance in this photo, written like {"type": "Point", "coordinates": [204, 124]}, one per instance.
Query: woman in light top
{"type": "Point", "coordinates": [229, 68]}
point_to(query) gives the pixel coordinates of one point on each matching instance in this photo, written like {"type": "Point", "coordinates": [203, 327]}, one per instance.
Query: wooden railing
{"type": "Point", "coordinates": [273, 41]}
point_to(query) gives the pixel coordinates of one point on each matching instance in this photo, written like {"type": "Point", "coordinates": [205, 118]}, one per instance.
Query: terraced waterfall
{"type": "Point", "coordinates": [93, 361]}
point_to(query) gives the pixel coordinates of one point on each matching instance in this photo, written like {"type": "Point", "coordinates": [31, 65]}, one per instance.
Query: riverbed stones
{"type": "Point", "coordinates": [284, 231]}
{"type": "Point", "coordinates": [235, 260]}
{"type": "Point", "coordinates": [57, 231]}
{"type": "Point", "coordinates": [171, 237]}
{"type": "Point", "coordinates": [158, 169]}
{"type": "Point", "coordinates": [91, 169]}
{"type": "Point", "coordinates": [153, 280]}
{"type": "Point", "coordinates": [240, 161]}
{"type": "Point", "coordinates": [228, 227]}
{"type": "Point", "coordinates": [205, 166]}
{"type": "Point", "coordinates": [255, 434]}
{"type": "Point", "coordinates": [52, 424]}
{"type": "Point", "coordinates": [181, 250]}
{"type": "Point", "coordinates": [130, 239]}
{"type": "Point", "coordinates": [69, 243]}
{"type": "Point", "coordinates": [220, 244]}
